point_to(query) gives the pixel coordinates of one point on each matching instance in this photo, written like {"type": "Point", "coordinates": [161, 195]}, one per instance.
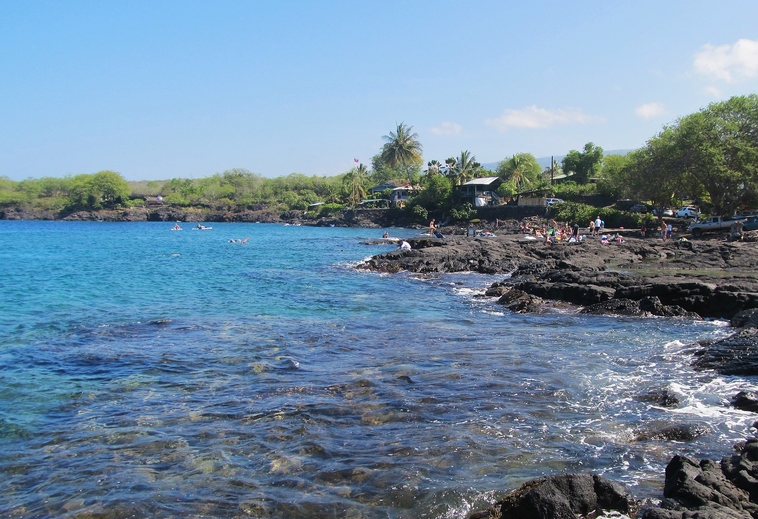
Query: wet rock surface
{"type": "Point", "coordinates": [562, 497]}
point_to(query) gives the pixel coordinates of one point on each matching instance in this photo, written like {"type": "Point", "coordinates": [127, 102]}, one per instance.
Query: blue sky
{"type": "Point", "coordinates": [161, 89]}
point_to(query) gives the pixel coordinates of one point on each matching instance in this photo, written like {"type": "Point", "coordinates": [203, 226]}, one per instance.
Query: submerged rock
{"type": "Point", "coordinates": [661, 397]}
{"type": "Point", "coordinates": [520, 302]}
{"type": "Point", "coordinates": [675, 432]}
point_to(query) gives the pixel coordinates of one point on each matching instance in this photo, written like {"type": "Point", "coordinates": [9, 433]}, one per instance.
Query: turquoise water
{"type": "Point", "coordinates": [150, 373]}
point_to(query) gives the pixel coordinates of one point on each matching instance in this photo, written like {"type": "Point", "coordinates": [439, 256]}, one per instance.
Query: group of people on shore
{"type": "Point", "coordinates": [553, 232]}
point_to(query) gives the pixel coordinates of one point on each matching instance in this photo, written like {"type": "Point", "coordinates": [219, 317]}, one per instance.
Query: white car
{"type": "Point", "coordinates": [687, 212]}
{"type": "Point", "coordinates": [553, 201]}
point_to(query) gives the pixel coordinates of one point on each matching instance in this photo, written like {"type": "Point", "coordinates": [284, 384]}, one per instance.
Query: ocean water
{"type": "Point", "coordinates": [150, 373]}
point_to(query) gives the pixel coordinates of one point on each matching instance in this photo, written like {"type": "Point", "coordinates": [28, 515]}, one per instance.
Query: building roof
{"type": "Point", "coordinates": [382, 187]}
{"type": "Point", "coordinates": [484, 181]}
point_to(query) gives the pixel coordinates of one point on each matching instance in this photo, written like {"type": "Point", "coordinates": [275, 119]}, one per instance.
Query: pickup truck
{"type": "Point", "coordinates": [714, 223]}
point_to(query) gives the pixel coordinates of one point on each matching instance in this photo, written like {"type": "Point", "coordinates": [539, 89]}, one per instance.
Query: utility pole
{"type": "Point", "coordinates": [552, 170]}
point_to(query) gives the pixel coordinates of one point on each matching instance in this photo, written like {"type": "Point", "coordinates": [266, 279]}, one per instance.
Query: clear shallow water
{"type": "Point", "coordinates": [149, 373]}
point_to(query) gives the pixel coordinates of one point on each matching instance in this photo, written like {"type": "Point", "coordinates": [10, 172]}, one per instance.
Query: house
{"type": "Point", "coordinates": [375, 202]}
{"type": "Point", "coordinates": [401, 194]}
{"type": "Point", "coordinates": [532, 198]}
{"type": "Point", "coordinates": [480, 191]}
{"type": "Point", "coordinates": [381, 188]}
{"type": "Point", "coordinates": [154, 200]}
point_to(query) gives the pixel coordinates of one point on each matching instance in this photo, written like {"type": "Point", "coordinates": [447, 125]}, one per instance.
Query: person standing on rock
{"type": "Point", "coordinates": [598, 224]}
{"type": "Point", "coordinates": [736, 231]}
{"type": "Point", "coordinates": [592, 227]}
{"type": "Point", "coordinates": [432, 228]}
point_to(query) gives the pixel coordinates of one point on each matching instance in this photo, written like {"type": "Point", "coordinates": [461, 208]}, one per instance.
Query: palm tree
{"type": "Point", "coordinates": [451, 169]}
{"type": "Point", "coordinates": [517, 172]}
{"type": "Point", "coordinates": [355, 183]}
{"type": "Point", "coordinates": [467, 166]}
{"type": "Point", "coordinates": [433, 168]}
{"type": "Point", "coordinates": [402, 149]}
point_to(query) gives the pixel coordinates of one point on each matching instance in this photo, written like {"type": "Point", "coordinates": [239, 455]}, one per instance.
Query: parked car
{"type": "Point", "coordinates": [750, 223]}
{"type": "Point", "coordinates": [553, 201]}
{"type": "Point", "coordinates": [666, 212]}
{"type": "Point", "coordinates": [714, 223]}
{"type": "Point", "coordinates": [688, 211]}
{"type": "Point", "coordinates": [638, 208]}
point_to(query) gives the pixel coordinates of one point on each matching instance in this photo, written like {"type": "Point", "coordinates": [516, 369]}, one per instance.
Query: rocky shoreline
{"type": "Point", "coordinates": [369, 218]}
{"type": "Point", "coordinates": [685, 278]}
{"type": "Point", "coordinates": [707, 278]}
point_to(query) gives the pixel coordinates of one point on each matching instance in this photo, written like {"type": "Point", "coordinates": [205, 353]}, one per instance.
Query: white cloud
{"type": "Point", "coordinates": [715, 91]}
{"type": "Point", "coordinates": [533, 117]}
{"type": "Point", "coordinates": [649, 110]}
{"type": "Point", "coordinates": [447, 128]}
{"type": "Point", "coordinates": [728, 63]}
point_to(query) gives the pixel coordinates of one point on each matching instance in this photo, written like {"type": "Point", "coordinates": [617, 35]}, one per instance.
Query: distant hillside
{"type": "Point", "coordinates": [545, 161]}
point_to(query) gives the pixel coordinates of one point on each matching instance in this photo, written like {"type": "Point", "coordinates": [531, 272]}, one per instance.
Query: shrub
{"type": "Point", "coordinates": [583, 214]}
{"type": "Point", "coordinates": [420, 212]}
{"type": "Point", "coordinates": [329, 209]}
{"type": "Point", "coordinates": [569, 190]}
{"type": "Point", "coordinates": [463, 212]}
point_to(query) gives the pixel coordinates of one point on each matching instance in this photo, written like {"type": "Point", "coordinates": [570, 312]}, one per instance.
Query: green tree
{"type": "Point", "coordinates": [245, 186]}
{"type": "Point", "coordinates": [79, 192]}
{"type": "Point", "coordinates": [711, 154]}
{"type": "Point", "coordinates": [103, 189]}
{"type": "Point", "coordinates": [585, 164]}
{"type": "Point", "coordinates": [402, 149]}
{"type": "Point", "coordinates": [654, 172]}
{"type": "Point", "coordinates": [612, 181]}
{"type": "Point", "coordinates": [466, 167]}
{"type": "Point", "coordinates": [719, 152]}
{"type": "Point", "coordinates": [181, 191]}
{"type": "Point", "coordinates": [437, 193]}
{"type": "Point", "coordinates": [522, 170]}
{"type": "Point", "coordinates": [8, 194]}
{"type": "Point", "coordinates": [109, 188]}
{"type": "Point", "coordinates": [381, 172]}
{"type": "Point", "coordinates": [53, 187]}
{"type": "Point", "coordinates": [30, 187]}
{"type": "Point", "coordinates": [433, 168]}
{"type": "Point", "coordinates": [450, 169]}
{"type": "Point", "coordinates": [354, 182]}
{"type": "Point", "coordinates": [214, 192]}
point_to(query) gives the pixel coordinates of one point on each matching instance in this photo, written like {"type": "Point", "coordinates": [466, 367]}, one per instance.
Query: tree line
{"type": "Point", "coordinates": [710, 156]}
